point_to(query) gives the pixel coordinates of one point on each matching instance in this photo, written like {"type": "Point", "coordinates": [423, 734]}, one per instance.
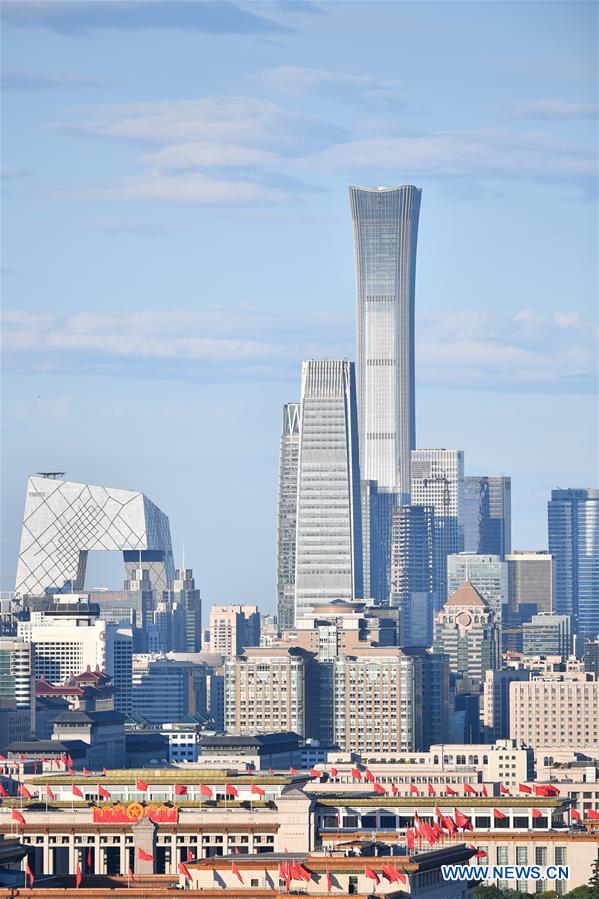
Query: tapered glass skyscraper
{"type": "Point", "coordinates": [385, 225]}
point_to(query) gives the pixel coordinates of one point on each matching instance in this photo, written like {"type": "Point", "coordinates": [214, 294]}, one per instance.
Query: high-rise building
{"type": "Point", "coordinates": [182, 591]}
{"type": "Point", "coordinates": [328, 557]}
{"type": "Point", "coordinates": [233, 628]}
{"type": "Point", "coordinates": [271, 690]}
{"type": "Point", "coordinates": [591, 656]}
{"type": "Point", "coordinates": [487, 515]}
{"type": "Point", "coordinates": [556, 710]}
{"type": "Point", "coordinates": [385, 227]}
{"type": "Point", "coordinates": [495, 706]}
{"type": "Point", "coordinates": [378, 504]}
{"type": "Point", "coordinates": [17, 675]}
{"type": "Point", "coordinates": [377, 701]}
{"type": "Point", "coordinates": [438, 481]}
{"type": "Point", "coordinates": [530, 583]}
{"type": "Point", "coordinates": [63, 521]}
{"type": "Point", "coordinates": [547, 634]}
{"type": "Point", "coordinates": [487, 573]}
{"type": "Point", "coordinates": [412, 572]}
{"type": "Point", "coordinates": [168, 687]}
{"type": "Point", "coordinates": [287, 514]}
{"type": "Point", "coordinates": [573, 518]}
{"type": "Point", "coordinates": [465, 631]}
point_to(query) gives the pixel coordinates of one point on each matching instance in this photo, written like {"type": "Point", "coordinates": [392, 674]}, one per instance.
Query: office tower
{"type": "Point", "coordinates": [63, 521]}
{"type": "Point", "coordinates": [530, 583]}
{"type": "Point", "coordinates": [377, 701]}
{"type": "Point", "coordinates": [233, 628]}
{"type": "Point", "coordinates": [591, 656]}
{"type": "Point", "coordinates": [169, 687]}
{"type": "Point", "coordinates": [438, 481]}
{"type": "Point", "coordinates": [556, 710]}
{"type": "Point", "coordinates": [70, 637]}
{"type": "Point", "coordinates": [166, 630]}
{"type": "Point", "coordinates": [412, 572]}
{"type": "Point", "coordinates": [547, 634]}
{"type": "Point", "coordinates": [385, 227]}
{"type": "Point", "coordinates": [435, 696]}
{"type": "Point", "coordinates": [287, 514]}
{"type": "Point", "coordinates": [271, 690]}
{"type": "Point", "coordinates": [487, 573]}
{"type": "Point", "coordinates": [495, 707]}
{"type": "Point", "coordinates": [183, 593]}
{"type": "Point", "coordinates": [378, 504]}
{"type": "Point", "coordinates": [17, 675]}
{"type": "Point", "coordinates": [487, 515]}
{"type": "Point", "coordinates": [465, 631]}
{"type": "Point", "coordinates": [328, 558]}
{"type": "Point", "coordinates": [573, 518]}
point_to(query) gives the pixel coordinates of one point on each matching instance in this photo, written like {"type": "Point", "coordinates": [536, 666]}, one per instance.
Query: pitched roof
{"type": "Point", "coordinates": [467, 595]}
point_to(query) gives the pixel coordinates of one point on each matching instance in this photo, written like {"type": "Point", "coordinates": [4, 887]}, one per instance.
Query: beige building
{"type": "Point", "coordinates": [495, 704]}
{"type": "Point", "coordinates": [269, 690]}
{"type": "Point", "coordinates": [556, 710]}
{"type": "Point", "coordinates": [233, 628]}
{"type": "Point", "coordinates": [466, 632]}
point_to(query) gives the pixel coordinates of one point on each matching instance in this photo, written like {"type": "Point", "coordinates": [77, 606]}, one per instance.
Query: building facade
{"type": "Point", "coordinates": [530, 583]}
{"type": "Point", "coordinates": [183, 592]}
{"type": "Point", "coordinates": [233, 628]}
{"type": "Point", "coordinates": [573, 524]}
{"type": "Point", "coordinates": [547, 635]}
{"type": "Point", "coordinates": [465, 631]}
{"type": "Point", "coordinates": [287, 514]}
{"type": "Point", "coordinates": [487, 515]}
{"type": "Point", "coordinates": [328, 558]}
{"type": "Point", "coordinates": [485, 572]}
{"type": "Point", "coordinates": [556, 710]}
{"type": "Point", "coordinates": [17, 675]}
{"type": "Point", "coordinates": [168, 688]}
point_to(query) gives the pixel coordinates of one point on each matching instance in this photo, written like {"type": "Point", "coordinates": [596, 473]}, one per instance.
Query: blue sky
{"type": "Point", "coordinates": [177, 239]}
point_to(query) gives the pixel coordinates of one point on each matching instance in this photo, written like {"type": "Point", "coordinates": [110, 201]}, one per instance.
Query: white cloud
{"type": "Point", "coordinates": [298, 80]}
{"type": "Point", "coordinates": [551, 110]}
{"type": "Point", "coordinates": [205, 154]}
{"type": "Point", "coordinates": [463, 348]}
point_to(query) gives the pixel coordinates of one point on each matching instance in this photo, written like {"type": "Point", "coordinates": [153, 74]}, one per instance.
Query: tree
{"type": "Point", "coordinates": [584, 892]}
{"type": "Point", "coordinates": [594, 878]}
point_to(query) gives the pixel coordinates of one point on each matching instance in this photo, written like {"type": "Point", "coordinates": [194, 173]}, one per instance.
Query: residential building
{"type": "Point", "coordinates": [485, 572]}
{"type": "Point", "coordinates": [530, 583]}
{"type": "Point", "coordinates": [385, 228]}
{"type": "Point", "coordinates": [63, 521]}
{"type": "Point", "coordinates": [233, 628]}
{"type": "Point", "coordinates": [168, 687]}
{"type": "Point", "coordinates": [270, 690]}
{"type": "Point", "coordinates": [465, 631]}
{"type": "Point", "coordinates": [556, 710]}
{"type": "Point", "coordinates": [287, 513]}
{"type": "Point", "coordinates": [412, 572]}
{"type": "Point", "coordinates": [547, 634]}
{"type": "Point", "coordinates": [438, 481]}
{"type": "Point", "coordinates": [328, 560]}
{"type": "Point", "coordinates": [573, 523]}
{"type": "Point", "coordinates": [17, 675]}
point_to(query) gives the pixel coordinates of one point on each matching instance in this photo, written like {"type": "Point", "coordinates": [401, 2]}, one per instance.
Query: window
{"type": "Point", "coordinates": [540, 855]}
{"type": "Point", "coordinates": [560, 855]}
{"type": "Point", "coordinates": [502, 855]}
{"type": "Point", "coordinates": [521, 855]}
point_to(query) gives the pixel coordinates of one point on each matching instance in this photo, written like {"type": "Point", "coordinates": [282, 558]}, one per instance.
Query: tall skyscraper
{"type": "Point", "coordinates": [485, 572]}
{"type": "Point", "coordinates": [530, 583]}
{"type": "Point", "coordinates": [466, 632]}
{"type": "Point", "coordinates": [438, 481]}
{"type": "Point", "coordinates": [487, 515]}
{"type": "Point", "coordinates": [287, 514]}
{"type": "Point", "coordinates": [328, 557]}
{"type": "Point", "coordinates": [412, 572]}
{"type": "Point", "coordinates": [385, 226]}
{"type": "Point", "coordinates": [573, 519]}
{"type": "Point", "coordinates": [182, 591]}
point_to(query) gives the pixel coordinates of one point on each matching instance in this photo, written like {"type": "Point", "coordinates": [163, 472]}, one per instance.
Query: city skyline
{"type": "Point", "coordinates": [204, 348]}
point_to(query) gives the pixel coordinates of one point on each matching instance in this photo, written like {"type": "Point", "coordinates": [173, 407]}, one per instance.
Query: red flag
{"type": "Point", "coordinates": [205, 791]}
{"type": "Point", "coordinates": [104, 772]}
{"type": "Point", "coordinates": [497, 814]}
{"type": "Point", "coordinates": [329, 882]}
{"type": "Point", "coordinates": [356, 774]}
{"type": "Point", "coordinates": [369, 776]}
{"type": "Point", "coordinates": [24, 792]}
{"type": "Point", "coordinates": [18, 817]}
{"type": "Point", "coordinates": [503, 790]}
{"type": "Point", "coordinates": [189, 855]}
{"type": "Point", "coordinates": [409, 838]}
{"type": "Point", "coordinates": [394, 790]}
{"type": "Point", "coordinates": [42, 758]}
{"type": "Point", "coordinates": [144, 856]}
{"type": "Point", "coordinates": [299, 872]}
{"type": "Point", "coordinates": [334, 772]}
{"type": "Point", "coordinates": [368, 872]}
{"type": "Point", "coordinates": [485, 794]}
{"type": "Point", "coordinates": [414, 789]}
{"type": "Point", "coordinates": [71, 772]}
{"type": "Point", "coordinates": [270, 771]}
{"type": "Point", "coordinates": [592, 815]}
{"type": "Point", "coordinates": [2, 757]}
{"type": "Point", "coordinates": [77, 792]}
{"type": "Point", "coordinates": [88, 860]}
{"type": "Point", "coordinates": [536, 813]}
{"type": "Point", "coordinates": [29, 873]}
{"type": "Point", "coordinates": [103, 792]}
{"type": "Point", "coordinates": [132, 875]}
{"type": "Point", "coordinates": [21, 756]}
{"type": "Point", "coordinates": [431, 790]}
{"type": "Point", "coordinates": [378, 788]}
{"type": "Point", "coordinates": [575, 814]}
{"type": "Point", "coordinates": [35, 766]}
{"type": "Point", "coordinates": [451, 825]}
{"type": "Point", "coordinates": [230, 790]}
{"type": "Point", "coordinates": [450, 792]}
{"type": "Point", "coordinates": [235, 870]}
{"type": "Point", "coordinates": [184, 870]}
{"type": "Point", "coordinates": [480, 854]}
{"type": "Point", "coordinates": [315, 773]}
{"type": "Point", "coordinates": [180, 790]}
{"type": "Point", "coordinates": [78, 876]}
{"type": "Point", "coordinates": [468, 790]}
{"type": "Point", "coordinates": [460, 819]}
{"type": "Point", "coordinates": [257, 791]}
{"type": "Point", "coordinates": [141, 785]}
{"type": "Point", "coordinates": [389, 873]}
{"type": "Point", "coordinates": [524, 789]}
{"type": "Point", "coordinates": [293, 771]}
{"type": "Point", "coordinates": [86, 772]}
{"type": "Point", "coordinates": [3, 792]}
